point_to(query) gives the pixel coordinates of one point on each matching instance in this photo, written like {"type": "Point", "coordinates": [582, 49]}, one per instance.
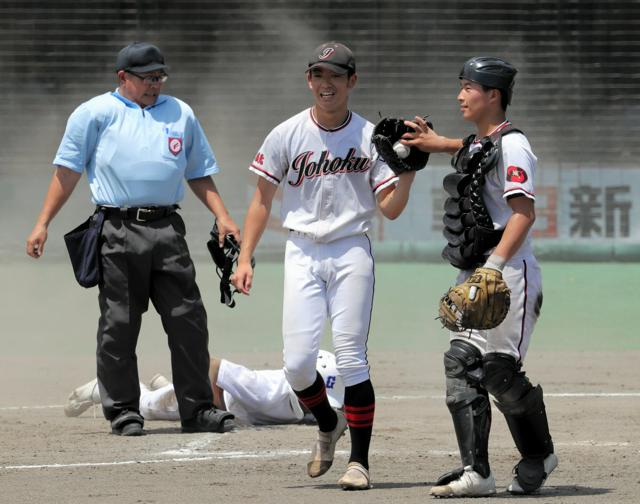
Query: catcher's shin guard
{"type": "Point", "coordinates": [523, 407]}
{"type": "Point", "coordinates": [528, 425]}
{"type": "Point", "coordinates": [469, 405]}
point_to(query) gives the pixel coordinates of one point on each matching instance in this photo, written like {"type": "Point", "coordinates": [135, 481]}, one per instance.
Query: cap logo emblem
{"type": "Point", "coordinates": [175, 145]}
{"type": "Point", "coordinates": [327, 52]}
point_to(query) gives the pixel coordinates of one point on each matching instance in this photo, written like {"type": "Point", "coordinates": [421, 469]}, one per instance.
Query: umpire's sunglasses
{"type": "Point", "coordinates": [150, 79]}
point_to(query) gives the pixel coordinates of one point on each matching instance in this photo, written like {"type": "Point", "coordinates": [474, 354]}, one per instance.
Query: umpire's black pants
{"type": "Point", "coordinates": [142, 261]}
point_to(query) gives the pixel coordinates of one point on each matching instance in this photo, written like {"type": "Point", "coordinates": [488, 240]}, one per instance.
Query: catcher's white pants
{"type": "Point", "coordinates": [512, 337]}
{"type": "Point", "coordinates": [321, 280]}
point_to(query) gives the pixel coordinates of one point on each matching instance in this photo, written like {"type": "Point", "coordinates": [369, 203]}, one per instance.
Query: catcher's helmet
{"type": "Point", "coordinates": [490, 72]}
{"type": "Point", "coordinates": [326, 366]}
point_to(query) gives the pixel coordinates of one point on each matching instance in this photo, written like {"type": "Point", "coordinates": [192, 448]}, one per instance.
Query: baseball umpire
{"type": "Point", "coordinates": [136, 146]}
{"type": "Point", "coordinates": [492, 312]}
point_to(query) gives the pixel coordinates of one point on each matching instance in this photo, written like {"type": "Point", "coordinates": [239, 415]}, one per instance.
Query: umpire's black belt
{"type": "Point", "coordinates": [139, 214]}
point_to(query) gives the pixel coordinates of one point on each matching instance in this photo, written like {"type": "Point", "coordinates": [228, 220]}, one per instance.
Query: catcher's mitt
{"type": "Point", "coordinates": [225, 258]}
{"type": "Point", "coordinates": [481, 302]}
{"type": "Point", "coordinates": [385, 135]}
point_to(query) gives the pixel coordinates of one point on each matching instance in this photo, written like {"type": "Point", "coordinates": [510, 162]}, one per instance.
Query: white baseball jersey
{"type": "Point", "coordinates": [254, 397]}
{"type": "Point", "coordinates": [330, 177]}
{"type": "Point", "coordinates": [258, 397]}
{"type": "Point", "coordinates": [513, 175]}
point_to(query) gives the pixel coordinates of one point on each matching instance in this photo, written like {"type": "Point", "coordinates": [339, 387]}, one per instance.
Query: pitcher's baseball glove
{"type": "Point", "coordinates": [385, 136]}
{"type": "Point", "coordinates": [481, 302]}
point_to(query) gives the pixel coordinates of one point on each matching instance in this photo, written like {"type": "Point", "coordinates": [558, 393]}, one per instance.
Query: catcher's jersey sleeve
{"type": "Point", "coordinates": [512, 177]}
{"type": "Point", "coordinates": [519, 166]}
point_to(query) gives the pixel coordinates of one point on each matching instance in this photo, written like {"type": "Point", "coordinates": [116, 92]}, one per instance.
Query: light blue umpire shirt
{"type": "Point", "coordinates": [134, 156]}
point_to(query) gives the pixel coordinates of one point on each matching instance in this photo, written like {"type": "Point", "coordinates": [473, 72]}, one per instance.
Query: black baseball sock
{"type": "Point", "coordinates": [359, 408]}
{"type": "Point", "coordinates": [315, 400]}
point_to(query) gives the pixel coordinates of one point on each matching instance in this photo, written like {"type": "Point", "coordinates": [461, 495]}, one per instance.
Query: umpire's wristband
{"type": "Point", "coordinates": [495, 262]}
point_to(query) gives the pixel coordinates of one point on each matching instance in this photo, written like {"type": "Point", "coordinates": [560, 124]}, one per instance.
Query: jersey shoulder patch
{"type": "Point", "coordinates": [516, 174]}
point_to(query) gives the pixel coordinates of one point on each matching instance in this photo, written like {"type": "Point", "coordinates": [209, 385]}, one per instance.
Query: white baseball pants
{"type": "Point", "coordinates": [332, 280]}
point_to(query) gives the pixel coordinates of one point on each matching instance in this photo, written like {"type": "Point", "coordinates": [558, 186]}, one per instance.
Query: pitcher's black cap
{"type": "Point", "coordinates": [334, 56]}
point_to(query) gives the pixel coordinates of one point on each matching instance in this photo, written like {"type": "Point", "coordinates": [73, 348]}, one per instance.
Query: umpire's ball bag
{"type": "Point", "coordinates": [83, 244]}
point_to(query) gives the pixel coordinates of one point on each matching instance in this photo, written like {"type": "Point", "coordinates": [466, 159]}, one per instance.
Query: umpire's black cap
{"type": "Point", "coordinates": [140, 57]}
{"type": "Point", "coordinates": [490, 72]}
{"type": "Point", "coordinates": [335, 56]}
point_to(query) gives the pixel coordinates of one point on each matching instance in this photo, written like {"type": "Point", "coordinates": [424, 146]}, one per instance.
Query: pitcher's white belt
{"type": "Point", "coordinates": [301, 234]}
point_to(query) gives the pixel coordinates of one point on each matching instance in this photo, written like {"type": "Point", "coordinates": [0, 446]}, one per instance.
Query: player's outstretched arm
{"type": "Point", "coordinates": [207, 192]}
{"type": "Point", "coordinates": [393, 200]}
{"type": "Point", "coordinates": [254, 225]}
{"type": "Point", "coordinates": [427, 140]}
{"type": "Point", "coordinates": [61, 186]}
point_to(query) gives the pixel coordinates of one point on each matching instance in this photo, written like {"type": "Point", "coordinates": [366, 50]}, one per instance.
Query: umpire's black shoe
{"type": "Point", "coordinates": [209, 420]}
{"type": "Point", "coordinates": [128, 423]}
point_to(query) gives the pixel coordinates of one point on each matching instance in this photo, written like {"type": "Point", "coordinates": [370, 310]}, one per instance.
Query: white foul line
{"type": "Point", "coordinates": [594, 394]}
{"type": "Point", "coordinates": [13, 408]}
{"type": "Point", "coordinates": [209, 457]}
{"type": "Point", "coordinates": [267, 455]}
{"type": "Point", "coordinates": [395, 398]}
{"type": "Point", "coordinates": [551, 394]}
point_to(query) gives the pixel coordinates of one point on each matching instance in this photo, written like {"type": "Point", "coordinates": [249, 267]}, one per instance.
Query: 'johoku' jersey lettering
{"type": "Point", "coordinates": [305, 168]}
{"type": "Point", "coordinates": [332, 177]}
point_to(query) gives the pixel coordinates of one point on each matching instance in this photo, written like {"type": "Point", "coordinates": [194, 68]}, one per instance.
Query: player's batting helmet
{"type": "Point", "coordinates": [326, 366]}
{"type": "Point", "coordinates": [490, 72]}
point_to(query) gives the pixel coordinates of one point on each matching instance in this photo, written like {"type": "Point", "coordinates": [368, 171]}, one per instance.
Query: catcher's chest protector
{"type": "Point", "coordinates": [468, 227]}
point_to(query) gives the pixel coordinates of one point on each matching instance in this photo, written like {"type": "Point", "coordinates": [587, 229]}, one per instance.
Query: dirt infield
{"type": "Point", "coordinates": [47, 457]}
{"type": "Point", "coordinates": [48, 345]}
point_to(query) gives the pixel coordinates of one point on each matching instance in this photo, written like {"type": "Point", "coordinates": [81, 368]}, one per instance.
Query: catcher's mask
{"type": "Point", "coordinates": [326, 366]}
{"type": "Point", "coordinates": [490, 72]}
{"type": "Point", "coordinates": [225, 258]}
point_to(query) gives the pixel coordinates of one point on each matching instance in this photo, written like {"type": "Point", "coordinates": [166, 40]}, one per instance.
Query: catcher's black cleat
{"type": "Point", "coordinates": [529, 477]}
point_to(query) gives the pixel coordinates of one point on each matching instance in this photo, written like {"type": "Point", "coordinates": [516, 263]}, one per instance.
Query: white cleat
{"type": "Point", "coordinates": [325, 447]}
{"type": "Point", "coordinates": [469, 484]}
{"type": "Point", "coordinates": [158, 381]}
{"type": "Point", "coordinates": [82, 398]}
{"type": "Point", "coordinates": [356, 478]}
{"type": "Point", "coordinates": [550, 463]}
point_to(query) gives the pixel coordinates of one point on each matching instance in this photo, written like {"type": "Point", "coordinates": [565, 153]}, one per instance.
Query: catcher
{"type": "Point", "coordinates": [492, 312]}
